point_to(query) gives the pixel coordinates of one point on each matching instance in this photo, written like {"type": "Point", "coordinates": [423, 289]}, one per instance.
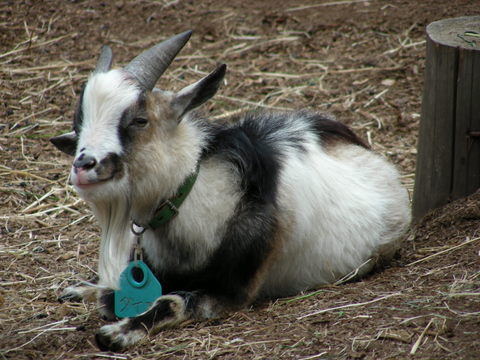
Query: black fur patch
{"type": "Point", "coordinates": [331, 130]}
{"type": "Point", "coordinates": [234, 264]}
{"type": "Point", "coordinates": [161, 310]}
{"type": "Point", "coordinates": [109, 167]}
{"type": "Point", "coordinates": [277, 129]}
{"type": "Point", "coordinates": [66, 143]}
{"type": "Point", "coordinates": [125, 131]}
{"type": "Point", "coordinates": [104, 343]}
{"type": "Point", "coordinates": [246, 246]}
{"type": "Point", "coordinates": [249, 234]}
{"type": "Point", "coordinates": [107, 301]}
{"type": "Point", "coordinates": [250, 148]}
{"type": "Point", "coordinates": [190, 299]}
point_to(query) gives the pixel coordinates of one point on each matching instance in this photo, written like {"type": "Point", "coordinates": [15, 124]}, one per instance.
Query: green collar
{"type": "Point", "coordinates": [169, 208]}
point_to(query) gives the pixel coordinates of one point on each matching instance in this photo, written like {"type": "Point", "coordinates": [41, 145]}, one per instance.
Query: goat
{"type": "Point", "coordinates": [282, 202]}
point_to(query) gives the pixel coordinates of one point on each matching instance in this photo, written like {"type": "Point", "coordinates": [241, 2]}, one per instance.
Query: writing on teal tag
{"type": "Point", "coordinates": [139, 288]}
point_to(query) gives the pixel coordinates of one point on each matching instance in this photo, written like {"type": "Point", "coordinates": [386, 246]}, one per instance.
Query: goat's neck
{"type": "Point", "coordinates": [169, 164]}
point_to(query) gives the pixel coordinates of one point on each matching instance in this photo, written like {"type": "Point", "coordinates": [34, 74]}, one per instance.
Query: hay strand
{"type": "Point", "coordinates": [420, 338]}
{"type": "Point", "coordinates": [347, 306]}
{"type": "Point", "coordinates": [450, 249]}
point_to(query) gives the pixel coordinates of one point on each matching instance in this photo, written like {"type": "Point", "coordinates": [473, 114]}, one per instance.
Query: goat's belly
{"type": "Point", "coordinates": [304, 265]}
{"type": "Point", "coordinates": [339, 219]}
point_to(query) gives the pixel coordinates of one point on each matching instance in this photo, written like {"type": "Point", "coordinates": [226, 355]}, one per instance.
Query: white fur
{"type": "Point", "coordinates": [116, 203]}
{"type": "Point", "coordinates": [344, 207]}
{"type": "Point", "coordinates": [117, 240]}
{"type": "Point", "coordinates": [119, 335]}
{"type": "Point", "coordinates": [205, 213]}
{"type": "Point", "coordinates": [87, 292]}
{"type": "Point", "coordinates": [168, 161]}
{"type": "Point", "coordinates": [106, 96]}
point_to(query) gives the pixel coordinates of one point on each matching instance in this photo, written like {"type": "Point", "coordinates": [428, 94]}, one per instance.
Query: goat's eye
{"type": "Point", "coordinates": [139, 122]}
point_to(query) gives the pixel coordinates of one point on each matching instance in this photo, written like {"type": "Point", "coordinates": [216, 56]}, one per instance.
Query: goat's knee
{"type": "Point", "coordinates": [106, 303]}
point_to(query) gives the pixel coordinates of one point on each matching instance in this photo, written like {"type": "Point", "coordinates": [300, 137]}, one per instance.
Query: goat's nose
{"type": "Point", "coordinates": [85, 162]}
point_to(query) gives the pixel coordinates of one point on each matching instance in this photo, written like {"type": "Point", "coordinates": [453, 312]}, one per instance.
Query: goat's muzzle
{"type": "Point", "coordinates": [87, 171]}
{"type": "Point", "coordinates": [85, 162]}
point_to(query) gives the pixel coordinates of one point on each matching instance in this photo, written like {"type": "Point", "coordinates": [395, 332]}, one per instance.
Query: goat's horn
{"type": "Point", "coordinates": [152, 63]}
{"type": "Point", "coordinates": [104, 62]}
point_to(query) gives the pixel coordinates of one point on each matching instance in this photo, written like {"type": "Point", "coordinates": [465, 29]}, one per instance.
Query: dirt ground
{"type": "Point", "coordinates": [362, 61]}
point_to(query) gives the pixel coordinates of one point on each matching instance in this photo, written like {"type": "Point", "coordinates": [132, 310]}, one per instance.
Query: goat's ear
{"type": "Point", "coordinates": [66, 142]}
{"type": "Point", "coordinates": [196, 94]}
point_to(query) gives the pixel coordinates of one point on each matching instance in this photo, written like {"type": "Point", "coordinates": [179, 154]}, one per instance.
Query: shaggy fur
{"type": "Point", "coordinates": [283, 202]}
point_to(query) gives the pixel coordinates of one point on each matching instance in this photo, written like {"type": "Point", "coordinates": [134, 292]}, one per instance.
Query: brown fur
{"type": "Point", "coordinates": [278, 239]}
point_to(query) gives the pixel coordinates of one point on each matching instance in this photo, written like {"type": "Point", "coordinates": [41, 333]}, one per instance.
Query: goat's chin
{"type": "Point", "coordinates": [99, 191]}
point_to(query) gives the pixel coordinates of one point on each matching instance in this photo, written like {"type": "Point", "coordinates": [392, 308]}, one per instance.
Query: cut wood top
{"type": "Point", "coordinates": [461, 32]}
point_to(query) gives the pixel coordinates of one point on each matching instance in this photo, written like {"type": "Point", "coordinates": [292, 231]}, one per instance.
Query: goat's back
{"type": "Point", "coordinates": [341, 206]}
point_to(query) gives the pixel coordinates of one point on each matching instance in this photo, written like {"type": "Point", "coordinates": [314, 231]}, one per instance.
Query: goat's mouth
{"type": "Point", "coordinates": [83, 180]}
{"type": "Point", "coordinates": [86, 185]}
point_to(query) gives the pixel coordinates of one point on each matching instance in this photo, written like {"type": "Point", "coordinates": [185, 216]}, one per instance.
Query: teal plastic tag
{"type": "Point", "coordinates": [139, 288]}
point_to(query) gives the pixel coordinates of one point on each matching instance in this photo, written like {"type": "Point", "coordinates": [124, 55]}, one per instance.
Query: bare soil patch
{"type": "Point", "coordinates": [362, 61]}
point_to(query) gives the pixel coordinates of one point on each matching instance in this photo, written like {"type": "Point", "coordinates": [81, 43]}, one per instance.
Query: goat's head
{"type": "Point", "coordinates": [122, 123]}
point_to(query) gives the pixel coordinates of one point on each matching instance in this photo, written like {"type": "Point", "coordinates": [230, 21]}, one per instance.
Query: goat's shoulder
{"type": "Point", "coordinates": [256, 160]}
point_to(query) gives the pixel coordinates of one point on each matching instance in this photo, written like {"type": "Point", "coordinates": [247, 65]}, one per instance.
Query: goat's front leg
{"type": "Point", "coordinates": [88, 292]}
{"type": "Point", "coordinates": [237, 270]}
{"type": "Point", "coordinates": [167, 311]}
{"type": "Point", "coordinates": [79, 293]}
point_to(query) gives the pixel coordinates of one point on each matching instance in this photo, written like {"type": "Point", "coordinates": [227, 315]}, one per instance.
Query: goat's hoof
{"type": "Point", "coordinates": [117, 336]}
{"type": "Point", "coordinates": [105, 343]}
{"type": "Point", "coordinates": [77, 293]}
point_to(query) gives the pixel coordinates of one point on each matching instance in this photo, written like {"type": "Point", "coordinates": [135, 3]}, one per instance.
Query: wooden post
{"type": "Point", "coordinates": [448, 160]}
